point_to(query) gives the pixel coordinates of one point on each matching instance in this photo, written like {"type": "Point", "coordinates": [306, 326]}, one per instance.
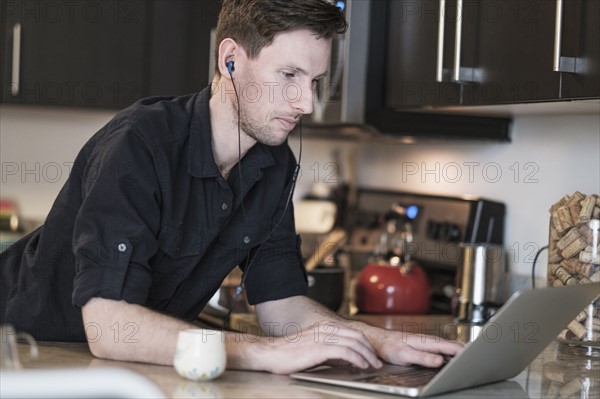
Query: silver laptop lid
{"type": "Point", "coordinates": [514, 337]}
{"type": "Point", "coordinates": [508, 343]}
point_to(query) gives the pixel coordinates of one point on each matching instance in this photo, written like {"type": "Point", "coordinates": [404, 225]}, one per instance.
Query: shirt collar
{"type": "Point", "coordinates": [201, 162]}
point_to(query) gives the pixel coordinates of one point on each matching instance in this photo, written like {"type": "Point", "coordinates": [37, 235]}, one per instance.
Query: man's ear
{"type": "Point", "coordinates": [228, 50]}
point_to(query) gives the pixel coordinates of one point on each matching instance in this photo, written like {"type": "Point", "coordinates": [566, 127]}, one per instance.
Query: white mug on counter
{"type": "Point", "coordinates": [200, 354]}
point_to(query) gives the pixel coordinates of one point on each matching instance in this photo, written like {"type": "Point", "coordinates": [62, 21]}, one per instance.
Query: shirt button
{"type": "Point", "coordinates": [122, 247]}
{"type": "Point", "coordinates": [224, 206]}
{"type": "Point", "coordinates": [246, 240]}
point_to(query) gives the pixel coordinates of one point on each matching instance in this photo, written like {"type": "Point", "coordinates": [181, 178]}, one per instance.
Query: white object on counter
{"type": "Point", "coordinates": [76, 383]}
{"type": "Point", "coordinates": [200, 354]}
{"type": "Point", "coordinates": [315, 216]}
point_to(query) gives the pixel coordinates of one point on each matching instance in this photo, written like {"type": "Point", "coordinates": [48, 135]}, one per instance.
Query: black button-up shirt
{"type": "Point", "coordinates": [146, 217]}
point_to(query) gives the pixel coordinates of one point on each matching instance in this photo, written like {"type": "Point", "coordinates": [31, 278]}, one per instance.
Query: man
{"type": "Point", "coordinates": [173, 193]}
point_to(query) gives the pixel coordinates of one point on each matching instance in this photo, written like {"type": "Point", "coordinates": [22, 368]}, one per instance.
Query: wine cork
{"type": "Point", "coordinates": [589, 256]}
{"type": "Point", "coordinates": [586, 232]}
{"type": "Point", "coordinates": [568, 238]}
{"type": "Point", "coordinates": [554, 236]}
{"type": "Point", "coordinates": [554, 256]}
{"type": "Point", "coordinates": [553, 390]}
{"type": "Point", "coordinates": [563, 275]}
{"type": "Point", "coordinates": [556, 222]}
{"type": "Point", "coordinates": [574, 248]}
{"type": "Point", "coordinates": [585, 269]}
{"type": "Point", "coordinates": [587, 207]}
{"type": "Point", "coordinates": [564, 216]}
{"type": "Point", "coordinates": [563, 201]}
{"type": "Point", "coordinates": [577, 328]}
{"type": "Point", "coordinates": [566, 334]}
{"type": "Point", "coordinates": [581, 316]}
{"type": "Point", "coordinates": [557, 283]}
{"type": "Point", "coordinates": [571, 388]}
{"type": "Point", "coordinates": [574, 205]}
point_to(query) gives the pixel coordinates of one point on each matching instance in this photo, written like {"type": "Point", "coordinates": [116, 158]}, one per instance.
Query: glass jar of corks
{"type": "Point", "coordinates": [574, 258]}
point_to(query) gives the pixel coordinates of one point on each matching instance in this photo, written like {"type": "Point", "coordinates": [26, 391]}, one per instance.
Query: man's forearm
{"type": "Point", "coordinates": [118, 330]}
{"type": "Point", "coordinates": [277, 316]}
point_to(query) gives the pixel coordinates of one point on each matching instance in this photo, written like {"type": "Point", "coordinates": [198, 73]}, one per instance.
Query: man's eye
{"type": "Point", "coordinates": [289, 75]}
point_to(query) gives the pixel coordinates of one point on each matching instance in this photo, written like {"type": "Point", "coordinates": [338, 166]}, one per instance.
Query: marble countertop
{"type": "Point", "coordinates": [557, 373]}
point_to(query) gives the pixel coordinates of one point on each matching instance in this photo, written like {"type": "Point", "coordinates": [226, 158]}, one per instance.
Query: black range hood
{"type": "Point", "coordinates": [408, 127]}
{"type": "Point", "coordinates": [438, 126]}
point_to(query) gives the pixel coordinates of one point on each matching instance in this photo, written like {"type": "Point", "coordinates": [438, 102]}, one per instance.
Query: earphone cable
{"type": "Point", "coordinates": [239, 288]}
{"type": "Point", "coordinates": [239, 126]}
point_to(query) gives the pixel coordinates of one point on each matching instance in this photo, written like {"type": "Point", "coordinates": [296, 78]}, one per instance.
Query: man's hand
{"type": "Point", "coordinates": [394, 347]}
{"type": "Point", "coordinates": [402, 348]}
{"type": "Point", "coordinates": [322, 343]}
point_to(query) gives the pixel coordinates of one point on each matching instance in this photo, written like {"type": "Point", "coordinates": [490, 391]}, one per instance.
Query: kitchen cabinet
{"type": "Point", "coordinates": [413, 57]}
{"type": "Point", "coordinates": [103, 54]}
{"type": "Point", "coordinates": [180, 46]}
{"type": "Point", "coordinates": [485, 52]}
{"type": "Point", "coordinates": [513, 52]}
{"type": "Point", "coordinates": [73, 53]}
{"type": "Point", "coordinates": [581, 47]}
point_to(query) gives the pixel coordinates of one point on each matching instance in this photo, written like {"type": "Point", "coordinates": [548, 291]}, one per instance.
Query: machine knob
{"type": "Point", "coordinates": [433, 229]}
{"type": "Point", "coordinates": [450, 232]}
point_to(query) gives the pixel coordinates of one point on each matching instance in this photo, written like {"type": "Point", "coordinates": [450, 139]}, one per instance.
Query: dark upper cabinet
{"type": "Point", "coordinates": [514, 51]}
{"type": "Point", "coordinates": [103, 53]}
{"type": "Point", "coordinates": [484, 52]}
{"type": "Point", "coordinates": [180, 46]}
{"type": "Point", "coordinates": [511, 52]}
{"type": "Point", "coordinates": [580, 49]}
{"type": "Point", "coordinates": [77, 53]}
{"type": "Point", "coordinates": [412, 54]}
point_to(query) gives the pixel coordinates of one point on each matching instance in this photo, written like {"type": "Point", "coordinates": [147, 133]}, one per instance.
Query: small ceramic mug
{"type": "Point", "coordinates": [200, 354]}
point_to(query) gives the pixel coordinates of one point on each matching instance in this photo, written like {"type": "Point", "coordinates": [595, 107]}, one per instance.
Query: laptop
{"type": "Point", "coordinates": [527, 323]}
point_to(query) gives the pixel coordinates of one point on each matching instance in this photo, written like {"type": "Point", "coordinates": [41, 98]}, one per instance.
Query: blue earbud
{"type": "Point", "coordinates": [230, 66]}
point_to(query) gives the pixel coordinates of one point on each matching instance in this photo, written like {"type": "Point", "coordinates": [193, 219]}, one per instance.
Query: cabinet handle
{"type": "Point", "coordinates": [458, 40]}
{"type": "Point", "coordinates": [559, 63]}
{"type": "Point", "coordinates": [557, 35]}
{"type": "Point", "coordinates": [16, 60]}
{"type": "Point", "coordinates": [440, 47]}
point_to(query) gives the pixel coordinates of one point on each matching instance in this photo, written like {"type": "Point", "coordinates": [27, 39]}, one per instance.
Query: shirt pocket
{"type": "Point", "coordinates": [181, 242]}
{"type": "Point", "coordinates": [180, 252]}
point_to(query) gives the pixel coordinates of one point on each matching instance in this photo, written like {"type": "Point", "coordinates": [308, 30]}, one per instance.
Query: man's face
{"type": "Point", "coordinates": [277, 87]}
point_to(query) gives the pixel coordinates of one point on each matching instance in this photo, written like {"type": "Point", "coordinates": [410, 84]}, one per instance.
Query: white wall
{"type": "Point", "coordinates": [37, 148]}
{"type": "Point", "coordinates": [549, 156]}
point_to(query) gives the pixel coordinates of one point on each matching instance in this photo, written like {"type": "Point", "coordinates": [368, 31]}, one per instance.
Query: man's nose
{"type": "Point", "coordinates": [304, 102]}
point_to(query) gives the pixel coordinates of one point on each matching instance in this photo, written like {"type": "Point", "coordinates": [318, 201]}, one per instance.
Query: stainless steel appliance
{"type": "Point", "coordinates": [440, 224]}
{"type": "Point", "coordinates": [481, 282]}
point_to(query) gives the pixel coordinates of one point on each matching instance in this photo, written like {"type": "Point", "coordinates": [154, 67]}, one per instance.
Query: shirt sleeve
{"type": "Point", "coordinates": [277, 268]}
{"type": "Point", "coordinates": [117, 224]}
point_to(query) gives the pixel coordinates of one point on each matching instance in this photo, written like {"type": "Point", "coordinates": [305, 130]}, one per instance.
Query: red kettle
{"type": "Point", "coordinates": [391, 283]}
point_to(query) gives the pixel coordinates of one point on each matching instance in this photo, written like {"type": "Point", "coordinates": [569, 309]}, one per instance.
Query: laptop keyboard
{"type": "Point", "coordinates": [410, 378]}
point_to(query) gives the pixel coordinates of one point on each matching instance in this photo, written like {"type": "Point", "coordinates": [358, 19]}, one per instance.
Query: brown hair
{"type": "Point", "coordinates": [254, 23]}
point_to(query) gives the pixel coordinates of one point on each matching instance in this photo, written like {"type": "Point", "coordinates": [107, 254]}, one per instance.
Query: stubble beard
{"type": "Point", "coordinates": [257, 131]}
